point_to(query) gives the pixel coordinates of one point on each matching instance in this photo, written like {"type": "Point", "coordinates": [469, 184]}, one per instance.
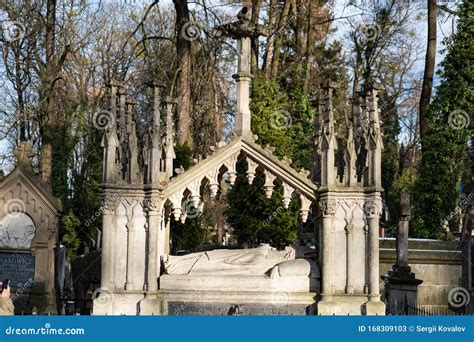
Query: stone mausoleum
{"type": "Point", "coordinates": [28, 237]}
{"type": "Point", "coordinates": [140, 200]}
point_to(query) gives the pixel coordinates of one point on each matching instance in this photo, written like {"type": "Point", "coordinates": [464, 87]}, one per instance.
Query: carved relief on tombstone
{"type": "Point", "coordinates": [17, 231]}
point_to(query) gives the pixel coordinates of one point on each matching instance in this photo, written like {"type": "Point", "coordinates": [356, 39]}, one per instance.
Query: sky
{"type": "Point", "coordinates": [340, 9]}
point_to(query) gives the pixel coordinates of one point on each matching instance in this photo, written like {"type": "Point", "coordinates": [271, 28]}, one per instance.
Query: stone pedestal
{"type": "Point", "coordinates": [401, 290]}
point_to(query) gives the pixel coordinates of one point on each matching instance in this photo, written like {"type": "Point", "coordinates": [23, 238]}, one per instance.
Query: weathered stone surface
{"type": "Point", "coordinates": [252, 261]}
{"type": "Point", "coordinates": [230, 309]}
{"type": "Point", "coordinates": [17, 231]}
{"type": "Point", "coordinates": [234, 283]}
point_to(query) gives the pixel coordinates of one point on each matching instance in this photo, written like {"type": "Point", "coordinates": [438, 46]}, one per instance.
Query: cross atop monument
{"type": "Point", "coordinates": [24, 152]}
{"type": "Point", "coordinates": [243, 30]}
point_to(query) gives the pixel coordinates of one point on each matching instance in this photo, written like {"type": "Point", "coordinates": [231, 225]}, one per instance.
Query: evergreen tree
{"type": "Point", "coordinates": [437, 190]}
{"type": "Point", "coordinates": [281, 120]}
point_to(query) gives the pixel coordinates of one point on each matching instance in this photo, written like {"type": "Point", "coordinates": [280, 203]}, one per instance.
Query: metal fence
{"type": "Point", "coordinates": [412, 309]}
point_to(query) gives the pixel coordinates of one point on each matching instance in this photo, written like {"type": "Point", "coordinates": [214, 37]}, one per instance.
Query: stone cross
{"type": "Point", "coordinates": [24, 152]}
{"type": "Point", "coordinates": [243, 31]}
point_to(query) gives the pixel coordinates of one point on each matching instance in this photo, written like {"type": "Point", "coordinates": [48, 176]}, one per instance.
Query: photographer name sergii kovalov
{"type": "Point", "coordinates": [440, 328]}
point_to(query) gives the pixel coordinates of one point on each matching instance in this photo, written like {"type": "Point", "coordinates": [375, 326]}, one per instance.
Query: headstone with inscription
{"type": "Point", "coordinates": [28, 235]}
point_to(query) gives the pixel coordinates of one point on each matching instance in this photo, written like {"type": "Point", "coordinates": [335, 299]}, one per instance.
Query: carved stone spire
{"type": "Point", "coordinates": [374, 143]}
{"type": "Point", "coordinates": [154, 140]}
{"type": "Point", "coordinates": [169, 138]}
{"type": "Point", "coordinates": [110, 140]}
{"type": "Point", "coordinates": [328, 139]}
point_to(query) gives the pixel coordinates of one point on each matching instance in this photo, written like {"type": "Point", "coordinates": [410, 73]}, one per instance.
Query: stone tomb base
{"type": "Point", "coordinates": [213, 296]}
{"type": "Point", "coordinates": [349, 304]}
{"type": "Point", "coordinates": [222, 303]}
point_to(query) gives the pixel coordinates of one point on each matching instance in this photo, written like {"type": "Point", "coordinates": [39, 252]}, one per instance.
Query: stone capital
{"type": "Point", "coordinates": [109, 203]}
{"type": "Point", "coordinates": [153, 206]}
{"type": "Point", "coordinates": [372, 209]}
{"type": "Point", "coordinates": [328, 208]}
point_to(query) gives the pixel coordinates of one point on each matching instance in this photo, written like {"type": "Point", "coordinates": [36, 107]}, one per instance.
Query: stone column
{"type": "Point", "coordinates": [108, 239]}
{"type": "Point", "coordinates": [243, 78]}
{"type": "Point", "coordinates": [401, 286]}
{"type": "Point", "coordinates": [130, 238]}
{"type": "Point", "coordinates": [349, 255]}
{"type": "Point", "coordinates": [402, 231]}
{"type": "Point", "coordinates": [328, 210]}
{"type": "Point", "coordinates": [154, 209]}
{"type": "Point", "coordinates": [372, 213]}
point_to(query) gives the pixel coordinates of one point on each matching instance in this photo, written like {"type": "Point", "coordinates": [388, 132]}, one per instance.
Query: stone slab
{"type": "Point", "coordinates": [19, 268]}
{"type": "Point", "coordinates": [234, 283]}
{"type": "Point", "coordinates": [229, 309]}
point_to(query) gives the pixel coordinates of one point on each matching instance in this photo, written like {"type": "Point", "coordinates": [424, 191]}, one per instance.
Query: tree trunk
{"type": "Point", "coordinates": [300, 7]}
{"type": "Point", "coordinates": [271, 40]}
{"type": "Point", "coordinates": [311, 34]}
{"type": "Point", "coordinates": [279, 38]}
{"type": "Point", "coordinates": [428, 75]}
{"type": "Point", "coordinates": [183, 65]}
{"type": "Point", "coordinates": [46, 161]}
{"type": "Point", "coordinates": [256, 5]}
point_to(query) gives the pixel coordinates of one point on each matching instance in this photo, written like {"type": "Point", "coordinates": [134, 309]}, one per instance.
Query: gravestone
{"type": "Point", "coordinates": [401, 285]}
{"type": "Point", "coordinates": [28, 236]}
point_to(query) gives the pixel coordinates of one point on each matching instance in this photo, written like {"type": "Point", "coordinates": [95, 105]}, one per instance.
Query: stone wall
{"type": "Point", "coordinates": [437, 263]}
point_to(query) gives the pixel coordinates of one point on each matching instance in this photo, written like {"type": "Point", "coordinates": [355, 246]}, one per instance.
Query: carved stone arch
{"type": "Point", "coordinates": [358, 217]}
{"type": "Point", "coordinates": [121, 216]}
